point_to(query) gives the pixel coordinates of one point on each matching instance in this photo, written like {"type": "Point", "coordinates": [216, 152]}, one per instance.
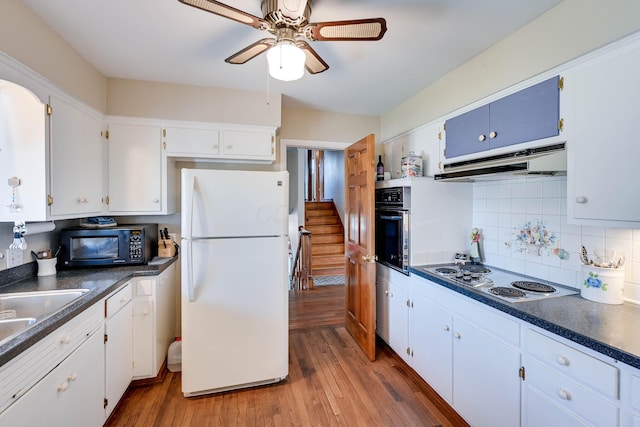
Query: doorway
{"type": "Point", "coordinates": [300, 157]}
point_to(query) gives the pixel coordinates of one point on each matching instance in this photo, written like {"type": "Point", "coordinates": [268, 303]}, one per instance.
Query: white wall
{"type": "Point", "coordinates": [334, 179]}
{"type": "Point", "coordinates": [502, 208]}
{"type": "Point", "coordinates": [24, 37]}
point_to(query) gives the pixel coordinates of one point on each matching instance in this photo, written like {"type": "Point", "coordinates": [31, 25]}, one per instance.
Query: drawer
{"type": "Point", "coordinates": [118, 300]}
{"type": "Point", "coordinates": [571, 396]}
{"type": "Point", "coordinates": [573, 363]}
{"type": "Point", "coordinates": [25, 370]}
{"type": "Point", "coordinates": [635, 392]}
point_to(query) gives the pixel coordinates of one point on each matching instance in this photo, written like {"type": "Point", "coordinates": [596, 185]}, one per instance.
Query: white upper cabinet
{"type": "Point", "coordinates": [194, 141]}
{"type": "Point", "coordinates": [603, 150]}
{"type": "Point", "coordinates": [249, 144]}
{"type": "Point", "coordinates": [23, 195]}
{"type": "Point", "coordinates": [216, 142]}
{"type": "Point", "coordinates": [135, 169]}
{"type": "Point", "coordinates": [76, 160]}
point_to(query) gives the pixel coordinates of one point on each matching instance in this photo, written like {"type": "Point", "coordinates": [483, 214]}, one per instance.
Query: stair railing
{"type": "Point", "coordinates": [301, 277]}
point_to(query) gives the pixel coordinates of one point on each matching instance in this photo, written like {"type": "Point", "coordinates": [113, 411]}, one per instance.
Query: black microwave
{"type": "Point", "coordinates": [108, 246]}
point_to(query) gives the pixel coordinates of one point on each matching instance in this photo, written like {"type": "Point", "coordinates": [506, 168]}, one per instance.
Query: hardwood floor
{"type": "Point", "coordinates": [331, 382]}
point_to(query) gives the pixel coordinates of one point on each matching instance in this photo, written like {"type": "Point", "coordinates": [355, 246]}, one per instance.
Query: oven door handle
{"type": "Point", "coordinates": [391, 217]}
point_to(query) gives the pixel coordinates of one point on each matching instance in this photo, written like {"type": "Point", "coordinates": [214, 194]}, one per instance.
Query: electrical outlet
{"type": "Point", "coordinates": [14, 257]}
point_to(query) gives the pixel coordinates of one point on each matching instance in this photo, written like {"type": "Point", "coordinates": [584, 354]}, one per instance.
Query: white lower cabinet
{"type": "Point", "coordinates": [486, 385]}
{"type": "Point", "coordinates": [117, 347]}
{"type": "Point", "coordinates": [433, 346]}
{"type": "Point", "coordinates": [153, 321]}
{"type": "Point", "coordinates": [70, 395]}
{"type": "Point", "coordinates": [467, 353]}
{"type": "Point", "coordinates": [392, 318]}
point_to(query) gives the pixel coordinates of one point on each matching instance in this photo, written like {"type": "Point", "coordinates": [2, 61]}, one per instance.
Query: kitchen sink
{"type": "Point", "coordinates": [22, 310]}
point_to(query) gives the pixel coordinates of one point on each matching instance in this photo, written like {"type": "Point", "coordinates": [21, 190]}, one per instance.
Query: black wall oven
{"type": "Point", "coordinates": [392, 227]}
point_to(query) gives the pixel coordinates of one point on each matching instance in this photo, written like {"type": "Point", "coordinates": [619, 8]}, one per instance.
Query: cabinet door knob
{"type": "Point", "coordinates": [581, 199]}
{"type": "Point", "coordinates": [482, 138]}
{"type": "Point", "coordinates": [493, 134]}
{"type": "Point", "coordinates": [156, 200]}
{"type": "Point", "coordinates": [564, 394]}
{"type": "Point", "coordinates": [457, 335]}
{"type": "Point", "coordinates": [447, 328]}
{"type": "Point", "coordinates": [390, 294]}
{"type": "Point", "coordinates": [562, 360]}
{"type": "Point", "coordinates": [66, 339]}
{"type": "Point", "coordinates": [63, 386]}
{"type": "Point", "coordinates": [72, 376]}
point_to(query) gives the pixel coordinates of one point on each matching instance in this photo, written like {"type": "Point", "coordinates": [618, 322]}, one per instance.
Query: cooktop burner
{"type": "Point", "coordinates": [475, 268]}
{"type": "Point", "coordinates": [446, 270]}
{"type": "Point", "coordinates": [533, 286]}
{"type": "Point", "coordinates": [501, 284]}
{"type": "Point", "coordinates": [502, 291]}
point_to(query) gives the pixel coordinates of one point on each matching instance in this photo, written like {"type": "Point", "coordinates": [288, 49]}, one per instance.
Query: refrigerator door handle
{"type": "Point", "coordinates": [188, 254]}
{"type": "Point", "coordinates": [188, 234]}
{"type": "Point", "coordinates": [188, 209]}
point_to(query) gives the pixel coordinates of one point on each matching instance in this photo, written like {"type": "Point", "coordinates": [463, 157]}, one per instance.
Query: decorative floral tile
{"type": "Point", "coordinates": [534, 238]}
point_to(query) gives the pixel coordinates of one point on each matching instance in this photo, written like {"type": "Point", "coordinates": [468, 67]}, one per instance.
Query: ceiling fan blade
{"type": "Point", "coordinates": [226, 11]}
{"type": "Point", "coordinates": [250, 51]}
{"type": "Point", "coordinates": [314, 64]}
{"type": "Point", "coordinates": [358, 29]}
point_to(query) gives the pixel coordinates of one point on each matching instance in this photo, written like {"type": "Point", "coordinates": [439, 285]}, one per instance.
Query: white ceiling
{"type": "Point", "coordinates": [167, 41]}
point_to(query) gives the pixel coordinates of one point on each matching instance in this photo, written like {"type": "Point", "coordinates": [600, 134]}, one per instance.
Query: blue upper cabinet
{"type": "Point", "coordinates": [468, 132]}
{"type": "Point", "coordinates": [527, 115]}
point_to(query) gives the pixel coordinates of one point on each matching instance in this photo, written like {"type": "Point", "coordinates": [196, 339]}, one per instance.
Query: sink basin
{"type": "Point", "coordinates": [10, 327]}
{"type": "Point", "coordinates": [21, 310]}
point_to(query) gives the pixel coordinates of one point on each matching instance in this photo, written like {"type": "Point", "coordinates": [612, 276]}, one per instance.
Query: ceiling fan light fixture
{"type": "Point", "coordinates": [286, 61]}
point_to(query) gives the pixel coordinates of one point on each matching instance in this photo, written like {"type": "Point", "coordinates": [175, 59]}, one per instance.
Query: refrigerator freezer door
{"type": "Point", "coordinates": [235, 332]}
{"type": "Point", "coordinates": [234, 203]}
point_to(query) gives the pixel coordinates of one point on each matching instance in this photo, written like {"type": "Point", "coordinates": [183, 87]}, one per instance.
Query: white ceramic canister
{"type": "Point", "coordinates": [411, 165]}
{"type": "Point", "coordinates": [605, 285]}
{"type": "Point", "coordinates": [46, 266]}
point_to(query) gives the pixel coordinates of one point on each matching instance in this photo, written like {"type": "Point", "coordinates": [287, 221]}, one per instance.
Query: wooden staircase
{"type": "Point", "coordinates": [327, 238]}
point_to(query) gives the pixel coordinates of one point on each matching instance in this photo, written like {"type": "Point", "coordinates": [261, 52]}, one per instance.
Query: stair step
{"type": "Point", "coordinates": [319, 212]}
{"type": "Point", "coordinates": [324, 229]}
{"type": "Point", "coordinates": [333, 271]}
{"type": "Point", "coordinates": [327, 238]}
{"type": "Point", "coordinates": [327, 249]}
{"type": "Point", "coordinates": [327, 261]}
{"type": "Point", "coordinates": [322, 220]}
{"type": "Point", "coordinates": [318, 205]}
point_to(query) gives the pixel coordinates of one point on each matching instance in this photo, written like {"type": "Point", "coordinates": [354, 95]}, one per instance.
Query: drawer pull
{"type": "Point", "coordinates": [562, 360]}
{"type": "Point", "coordinates": [66, 339]}
{"type": "Point", "coordinates": [72, 376]}
{"type": "Point", "coordinates": [63, 386]}
{"type": "Point", "coordinates": [564, 394]}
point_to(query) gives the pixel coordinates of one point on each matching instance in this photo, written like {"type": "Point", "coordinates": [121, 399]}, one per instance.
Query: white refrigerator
{"type": "Point", "coordinates": [234, 279]}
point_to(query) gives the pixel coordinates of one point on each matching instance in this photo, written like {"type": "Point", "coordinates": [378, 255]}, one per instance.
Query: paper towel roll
{"type": "Point", "coordinates": [40, 227]}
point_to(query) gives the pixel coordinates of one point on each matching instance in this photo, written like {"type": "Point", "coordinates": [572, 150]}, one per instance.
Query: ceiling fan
{"type": "Point", "coordinates": [288, 20]}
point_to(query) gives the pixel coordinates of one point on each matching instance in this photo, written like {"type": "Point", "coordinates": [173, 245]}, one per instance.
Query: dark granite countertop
{"type": "Point", "coordinates": [100, 282]}
{"type": "Point", "coordinates": [605, 328]}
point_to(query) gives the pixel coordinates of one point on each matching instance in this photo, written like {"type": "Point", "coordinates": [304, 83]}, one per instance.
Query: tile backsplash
{"type": "Point", "coordinates": [524, 228]}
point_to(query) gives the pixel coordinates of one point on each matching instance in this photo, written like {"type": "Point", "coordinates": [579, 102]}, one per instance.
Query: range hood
{"type": "Point", "coordinates": [550, 160]}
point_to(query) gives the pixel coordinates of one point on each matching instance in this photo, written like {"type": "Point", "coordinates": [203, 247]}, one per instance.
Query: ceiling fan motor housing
{"type": "Point", "coordinates": [290, 13]}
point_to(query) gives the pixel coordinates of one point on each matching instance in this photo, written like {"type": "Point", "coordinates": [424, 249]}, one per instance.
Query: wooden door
{"type": "Point", "coordinates": [360, 268]}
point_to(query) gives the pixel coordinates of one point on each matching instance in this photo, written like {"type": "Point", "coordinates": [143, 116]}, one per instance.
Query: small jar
{"type": "Point", "coordinates": [411, 165]}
